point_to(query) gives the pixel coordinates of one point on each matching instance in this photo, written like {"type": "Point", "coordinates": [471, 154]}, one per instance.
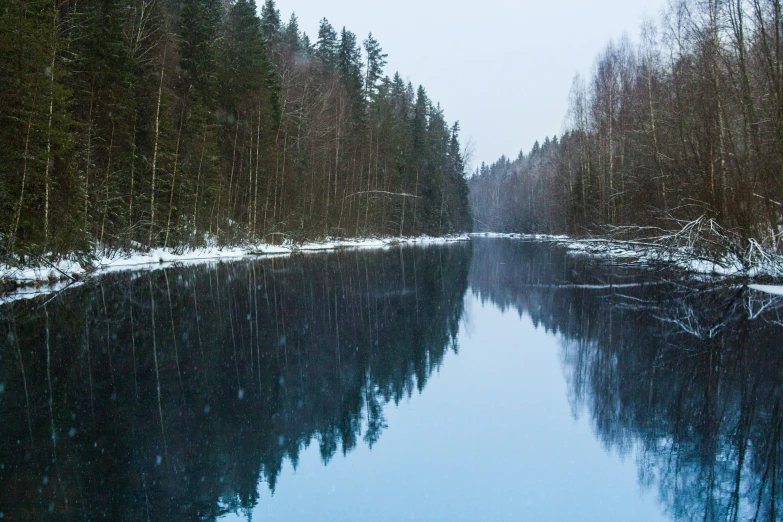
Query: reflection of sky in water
{"type": "Point", "coordinates": [492, 437]}
{"type": "Point", "coordinates": [170, 393]}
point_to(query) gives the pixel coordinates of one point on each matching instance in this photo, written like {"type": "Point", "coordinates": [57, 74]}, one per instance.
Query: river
{"type": "Point", "coordinates": [497, 379]}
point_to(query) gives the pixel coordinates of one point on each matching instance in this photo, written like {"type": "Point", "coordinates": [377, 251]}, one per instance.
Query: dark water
{"type": "Point", "coordinates": [498, 380]}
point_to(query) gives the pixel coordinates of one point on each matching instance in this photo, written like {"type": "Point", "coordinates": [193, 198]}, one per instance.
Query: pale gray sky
{"type": "Point", "coordinates": [502, 68]}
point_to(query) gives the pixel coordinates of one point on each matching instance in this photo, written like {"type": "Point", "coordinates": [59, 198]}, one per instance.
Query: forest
{"type": "Point", "coordinates": [155, 123]}
{"type": "Point", "coordinates": [686, 124]}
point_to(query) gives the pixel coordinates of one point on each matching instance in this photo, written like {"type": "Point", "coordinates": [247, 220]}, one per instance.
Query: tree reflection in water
{"type": "Point", "coordinates": [170, 394]}
{"type": "Point", "coordinates": [687, 372]}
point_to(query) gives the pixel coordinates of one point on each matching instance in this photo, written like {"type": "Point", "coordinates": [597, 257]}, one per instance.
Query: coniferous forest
{"type": "Point", "coordinates": [133, 124]}
{"type": "Point", "coordinates": [686, 124]}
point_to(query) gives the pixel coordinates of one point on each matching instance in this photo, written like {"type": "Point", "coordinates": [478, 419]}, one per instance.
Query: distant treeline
{"type": "Point", "coordinates": [155, 122]}
{"type": "Point", "coordinates": [689, 123]}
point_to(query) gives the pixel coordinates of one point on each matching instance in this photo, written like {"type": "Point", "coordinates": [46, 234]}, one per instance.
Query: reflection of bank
{"type": "Point", "coordinates": [170, 394]}
{"type": "Point", "coordinates": [689, 373]}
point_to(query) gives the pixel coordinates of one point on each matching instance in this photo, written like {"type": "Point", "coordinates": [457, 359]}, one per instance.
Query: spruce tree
{"type": "Point", "coordinates": [25, 45]}
{"type": "Point", "coordinates": [306, 45]}
{"type": "Point", "coordinates": [40, 185]}
{"type": "Point", "coordinates": [270, 22]}
{"type": "Point", "coordinates": [399, 96]}
{"type": "Point", "coordinates": [459, 216]}
{"type": "Point", "coordinates": [245, 55]}
{"type": "Point", "coordinates": [419, 122]}
{"type": "Point", "coordinates": [349, 66]}
{"type": "Point", "coordinates": [291, 37]}
{"type": "Point", "coordinates": [326, 46]}
{"type": "Point", "coordinates": [199, 32]}
{"type": "Point", "coordinates": [376, 61]}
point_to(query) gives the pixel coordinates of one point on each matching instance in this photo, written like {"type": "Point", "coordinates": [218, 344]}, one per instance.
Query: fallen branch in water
{"type": "Point", "coordinates": [700, 245]}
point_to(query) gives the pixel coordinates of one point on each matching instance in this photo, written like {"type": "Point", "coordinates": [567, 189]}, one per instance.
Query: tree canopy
{"type": "Point", "coordinates": [140, 124]}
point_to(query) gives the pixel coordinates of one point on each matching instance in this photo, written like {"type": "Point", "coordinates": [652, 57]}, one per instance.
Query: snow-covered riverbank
{"type": "Point", "coordinates": [46, 277]}
{"type": "Point", "coordinates": [767, 267]}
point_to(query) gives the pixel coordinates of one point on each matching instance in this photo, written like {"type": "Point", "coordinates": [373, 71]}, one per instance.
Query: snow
{"type": "Point", "coordinates": [29, 292]}
{"type": "Point", "coordinates": [643, 253]}
{"type": "Point", "coordinates": [47, 278]}
{"type": "Point", "coordinates": [528, 237]}
{"type": "Point", "coordinates": [769, 289]}
{"type": "Point", "coordinates": [51, 278]}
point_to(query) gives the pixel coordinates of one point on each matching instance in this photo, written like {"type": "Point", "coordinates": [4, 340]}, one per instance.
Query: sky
{"type": "Point", "coordinates": [503, 68]}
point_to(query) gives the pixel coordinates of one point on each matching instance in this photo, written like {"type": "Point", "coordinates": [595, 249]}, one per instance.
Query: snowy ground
{"type": "Point", "coordinates": [48, 278]}
{"type": "Point", "coordinates": [629, 252]}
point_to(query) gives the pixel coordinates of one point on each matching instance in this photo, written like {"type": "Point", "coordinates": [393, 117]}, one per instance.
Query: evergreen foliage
{"type": "Point", "coordinates": [326, 46]}
{"type": "Point", "coordinates": [141, 124]}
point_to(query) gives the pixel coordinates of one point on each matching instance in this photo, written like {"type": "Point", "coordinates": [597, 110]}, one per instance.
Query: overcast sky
{"type": "Point", "coordinates": [503, 68]}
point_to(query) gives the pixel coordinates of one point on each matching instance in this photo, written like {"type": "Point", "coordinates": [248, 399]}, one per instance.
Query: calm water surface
{"type": "Point", "coordinates": [496, 380]}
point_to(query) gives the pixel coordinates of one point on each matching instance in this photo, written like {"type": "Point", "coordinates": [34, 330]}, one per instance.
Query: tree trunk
{"type": "Point", "coordinates": [233, 165]}
{"type": "Point", "coordinates": [155, 149]}
{"type": "Point", "coordinates": [174, 179]}
{"type": "Point", "coordinates": [198, 180]}
{"type": "Point", "coordinates": [106, 198]}
{"type": "Point", "coordinates": [133, 171]}
{"type": "Point", "coordinates": [88, 165]}
{"type": "Point", "coordinates": [15, 230]}
{"type": "Point", "coordinates": [49, 128]}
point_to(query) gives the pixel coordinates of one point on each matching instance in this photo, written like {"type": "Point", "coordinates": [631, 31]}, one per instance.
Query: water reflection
{"type": "Point", "coordinates": [170, 394]}
{"type": "Point", "coordinates": [688, 374]}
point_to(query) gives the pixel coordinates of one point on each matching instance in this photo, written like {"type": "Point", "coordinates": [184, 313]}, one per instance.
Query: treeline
{"type": "Point", "coordinates": [688, 123]}
{"type": "Point", "coordinates": [162, 123]}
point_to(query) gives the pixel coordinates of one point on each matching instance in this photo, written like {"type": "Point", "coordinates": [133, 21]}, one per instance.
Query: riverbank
{"type": "Point", "coordinates": [764, 266]}
{"type": "Point", "coordinates": [44, 277]}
